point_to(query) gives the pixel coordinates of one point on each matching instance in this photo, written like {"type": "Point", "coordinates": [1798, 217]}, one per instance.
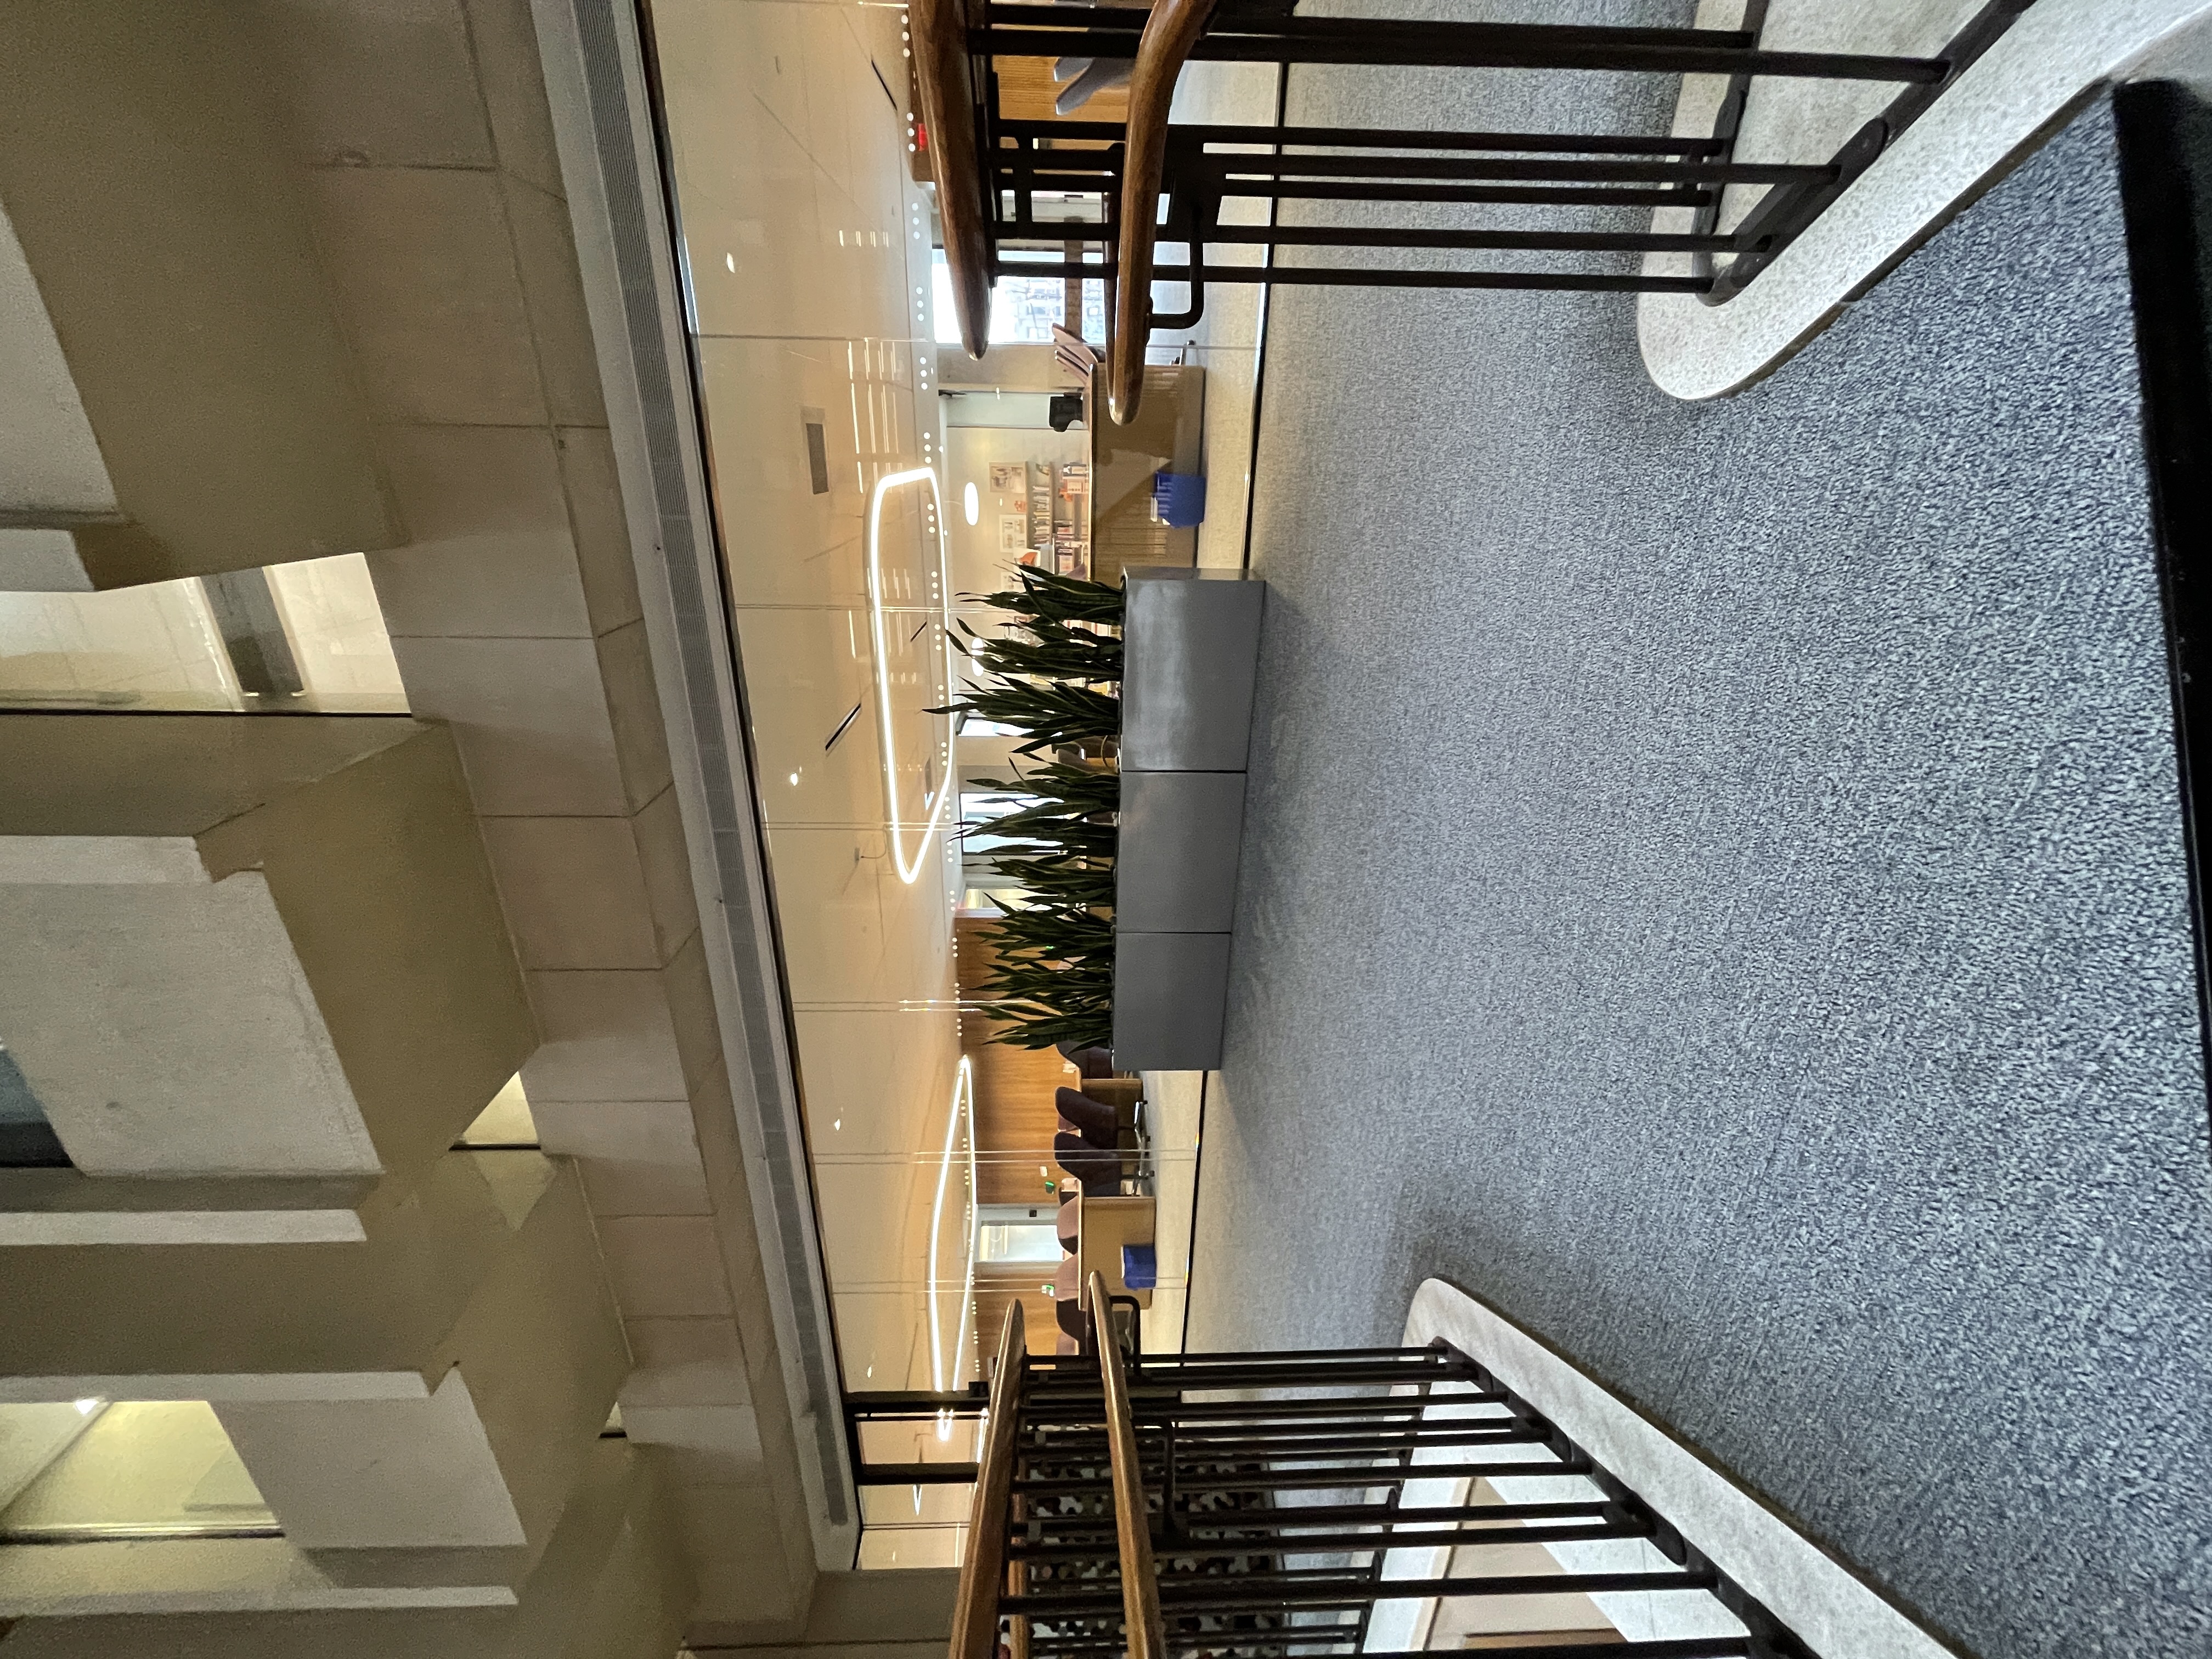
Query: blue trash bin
{"type": "Point", "coordinates": [1179, 499]}
{"type": "Point", "coordinates": [1140, 1267]}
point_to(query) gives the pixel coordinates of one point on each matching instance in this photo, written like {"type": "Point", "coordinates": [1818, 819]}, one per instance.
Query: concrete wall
{"type": "Point", "coordinates": [523, 1382]}
{"type": "Point", "coordinates": [516, 617]}
{"type": "Point", "coordinates": [241, 945]}
{"type": "Point", "coordinates": [149, 195]}
{"type": "Point", "coordinates": [905, 1615]}
{"type": "Point", "coordinates": [421, 140]}
{"type": "Point", "coordinates": [437, 1409]}
{"type": "Point", "coordinates": [274, 1321]}
{"type": "Point", "coordinates": [610, 1585]}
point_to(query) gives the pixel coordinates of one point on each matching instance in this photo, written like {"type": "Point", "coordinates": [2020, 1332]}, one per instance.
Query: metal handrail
{"type": "Point", "coordinates": [1145, 1632]}
{"type": "Point", "coordinates": [1048, 1567]}
{"type": "Point", "coordinates": [975, 1613]}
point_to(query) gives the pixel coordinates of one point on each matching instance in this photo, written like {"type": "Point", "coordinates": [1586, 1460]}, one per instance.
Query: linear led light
{"type": "Point", "coordinates": [908, 869]}
{"type": "Point", "coordinates": [964, 1100]}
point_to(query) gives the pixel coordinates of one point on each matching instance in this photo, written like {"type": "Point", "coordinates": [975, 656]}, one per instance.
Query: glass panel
{"type": "Point", "coordinates": [142, 1468]}
{"type": "Point", "coordinates": [915, 1506]}
{"type": "Point", "coordinates": [150, 647]}
{"type": "Point", "coordinates": [27, 1140]}
{"type": "Point", "coordinates": [330, 612]}
{"type": "Point", "coordinates": [847, 541]}
{"type": "Point", "coordinates": [913, 1546]}
{"type": "Point", "coordinates": [505, 1122]}
{"type": "Point", "coordinates": [921, 1439]}
{"type": "Point", "coordinates": [1022, 308]}
{"type": "Point", "coordinates": [1024, 1241]}
{"type": "Point", "coordinates": [307, 637]}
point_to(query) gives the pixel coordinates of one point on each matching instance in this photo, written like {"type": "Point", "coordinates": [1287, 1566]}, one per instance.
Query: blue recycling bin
{"type": "Point", "coordinates": [1179, 499]}
{"type": "Point", "coordinates": [1139, 1267]}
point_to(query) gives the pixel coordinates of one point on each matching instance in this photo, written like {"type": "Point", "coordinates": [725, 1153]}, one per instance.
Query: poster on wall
{"type": "Point", "coordinates": [1006, 476]}
{"type": "Point", "coordinates": [1013, 532]}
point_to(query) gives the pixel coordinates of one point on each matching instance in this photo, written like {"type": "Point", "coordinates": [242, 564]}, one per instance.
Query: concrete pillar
{"type": "Point", "coordinates": [175, 395]}
{"type": "Point", "coordinates": [437, 1387]}
{"type": "Point", "coordinates": [610, 1584]}
{"type": "Point", "coordinates": [247, 945]}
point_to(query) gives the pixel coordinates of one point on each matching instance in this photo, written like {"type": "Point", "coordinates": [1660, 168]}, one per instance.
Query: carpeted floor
{"type": "Point", "coordinates": [1714, 887]}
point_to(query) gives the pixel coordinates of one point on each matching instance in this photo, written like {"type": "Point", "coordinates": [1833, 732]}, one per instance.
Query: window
{"type": "Point", "coordinates": [1017, 1232]}
{"type": "Point", "coordinates": [1022, 308]}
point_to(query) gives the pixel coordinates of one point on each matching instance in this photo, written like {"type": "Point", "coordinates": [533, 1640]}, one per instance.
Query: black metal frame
{"type": "Point", "coordinates": [1506, 170]}
{"type": "Point", "coordinates": [1255, 1577]}
{"type": "Point", "coordinates": [2162, 128]}
{"type": "Point", "coordinates": [909, 1405]}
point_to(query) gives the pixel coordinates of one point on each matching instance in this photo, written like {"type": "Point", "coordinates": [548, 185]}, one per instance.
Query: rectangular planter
{"type": "Point", "coordinates": [1171, 992]}
{"type": "Point", "coordinates": [1190, 653]}
{"type": "Point", "coordinates": [1190, 643]}
{"type": "Point", "coordinates": [1176, 864]}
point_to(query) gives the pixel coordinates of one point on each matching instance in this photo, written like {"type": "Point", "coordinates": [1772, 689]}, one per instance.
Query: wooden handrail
{"type": "Point", "coordinates": [982, 1574]}
{"type": "Point", "coordinates": [1173, 29]}
{"type": "Point", "coordinates": [1133, 1526]}
{"type": "Point", "coordinates": [945, 87]}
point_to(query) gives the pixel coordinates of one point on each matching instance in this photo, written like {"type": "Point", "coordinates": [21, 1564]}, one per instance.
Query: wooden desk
{"type": "Point", "coordinates": [1103, 1226]}
{"type": "Point", "coordinates": [1167, 435]}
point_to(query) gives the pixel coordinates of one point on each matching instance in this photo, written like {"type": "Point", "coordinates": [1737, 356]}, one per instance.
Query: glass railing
{"type": "Point", "coordinates": [302, 638]}
{"type": "Point", "coordinates": [93, 1471]}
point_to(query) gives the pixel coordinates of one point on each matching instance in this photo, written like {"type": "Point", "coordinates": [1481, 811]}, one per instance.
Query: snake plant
{"type": "Point", "coordinates": [1051, 977]}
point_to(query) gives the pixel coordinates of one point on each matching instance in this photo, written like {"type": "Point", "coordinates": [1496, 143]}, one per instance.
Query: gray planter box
{"type": "Point", "coordinates": [1176, 864]}
{"type": "Point", "coordinates": [1190, 647]}
{"type": "Point", "coordinates": [1170, 993]}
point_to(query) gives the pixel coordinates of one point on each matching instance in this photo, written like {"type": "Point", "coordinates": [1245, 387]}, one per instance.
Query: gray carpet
{"type": "Point", "coordinates": [1714, 887]}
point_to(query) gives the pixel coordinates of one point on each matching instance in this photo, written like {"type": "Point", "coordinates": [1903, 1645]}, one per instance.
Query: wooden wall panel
{"type": "Point", "coordinates": [994, 1294]}
{"type": "Point", "coordinates": [1014, 1114]}
{"type": "Point", "coordinates": [1014, 1122]}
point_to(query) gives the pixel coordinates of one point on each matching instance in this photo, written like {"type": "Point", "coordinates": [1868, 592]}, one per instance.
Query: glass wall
{"type": "Point", "coordinates": [806, 255]}
{"type": "Point", "coordinates": [92, 1471]}
{"type": "Point", "coordinates": [306, 637]}
{"type": "Point", "coordinates": [857, 523]}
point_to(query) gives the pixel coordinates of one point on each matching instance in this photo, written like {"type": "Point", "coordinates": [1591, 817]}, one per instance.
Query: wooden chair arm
{"type": "Point", "coordinates": [946, 87]}
{"type": "Point", "coordinates": [1170, 32]}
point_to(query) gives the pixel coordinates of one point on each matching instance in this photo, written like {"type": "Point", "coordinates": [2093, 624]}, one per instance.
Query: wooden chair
{"type": "Point", "coordinates": [989, 167]}
{"type": "Point", "coordinates": [1122, 1093]}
